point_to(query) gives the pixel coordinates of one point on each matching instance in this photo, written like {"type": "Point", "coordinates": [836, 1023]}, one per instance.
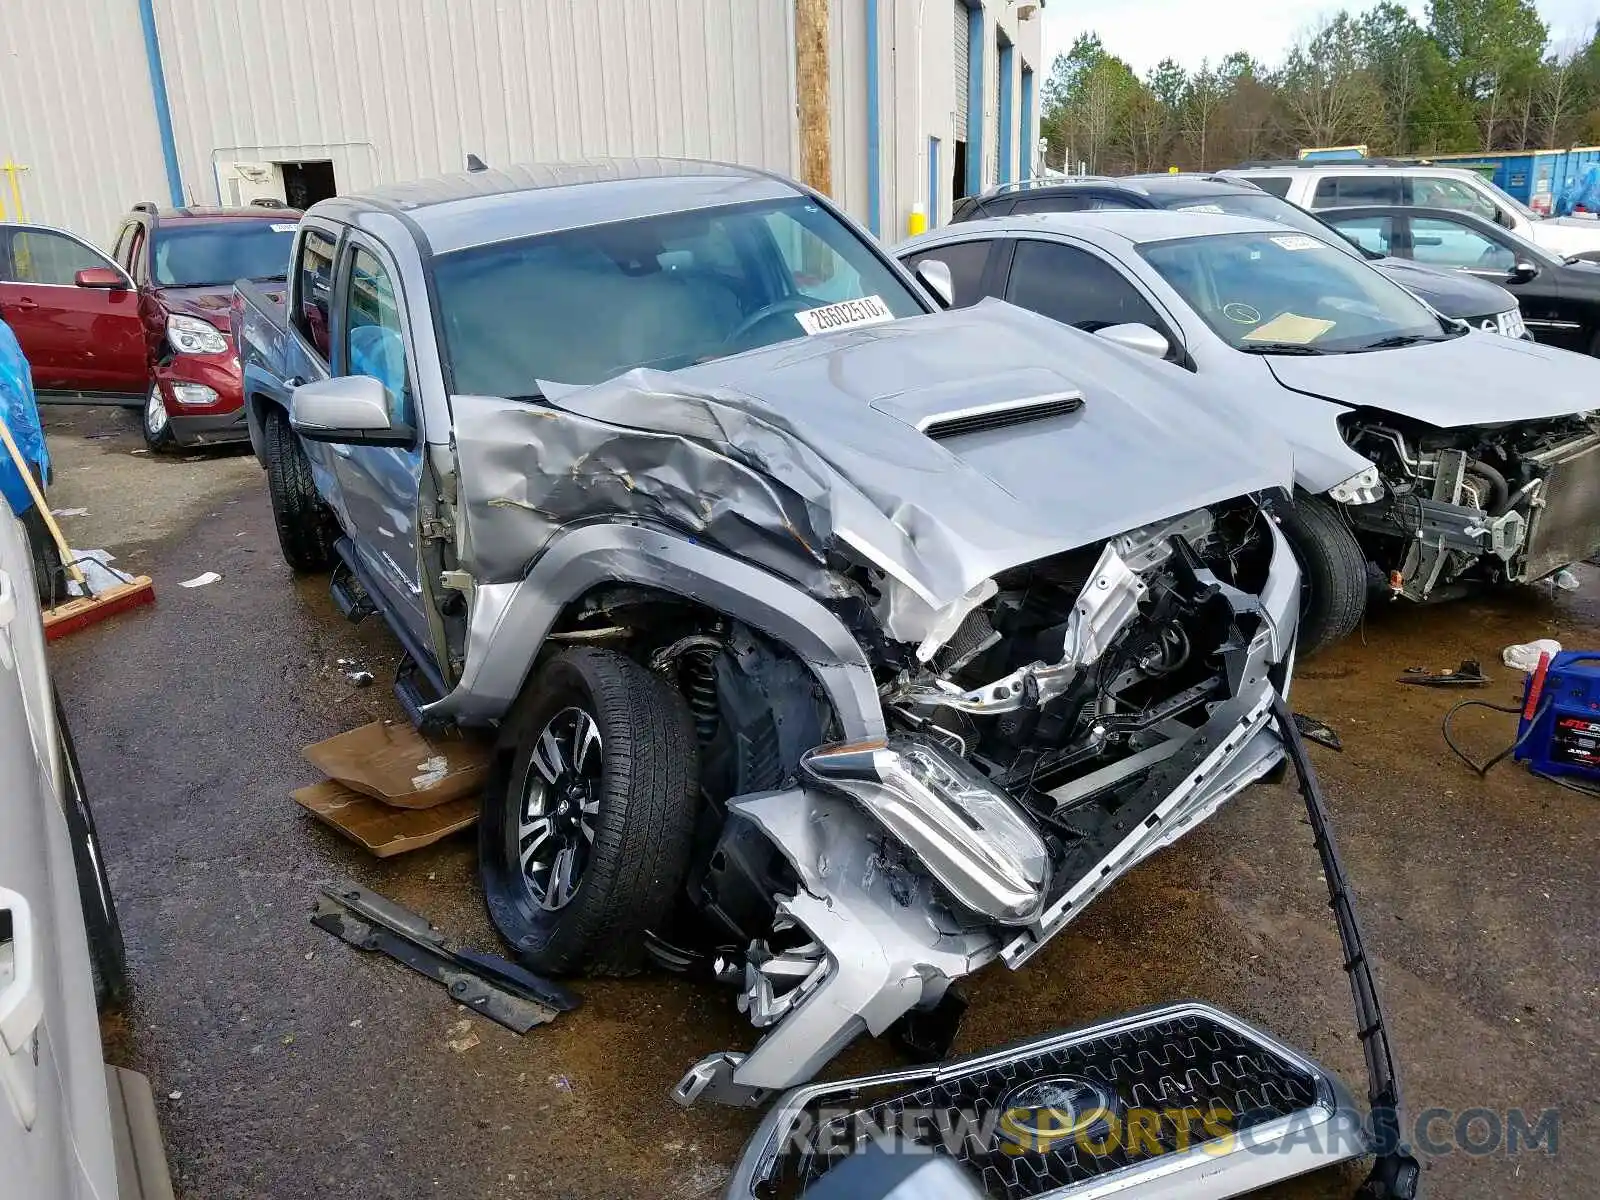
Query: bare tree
{"type": "Point", "coordinates": [1329, 95]}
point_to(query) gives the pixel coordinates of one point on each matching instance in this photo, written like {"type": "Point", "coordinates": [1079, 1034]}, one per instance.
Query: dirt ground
{"type": "Point", "coordinates": [287, 1065]}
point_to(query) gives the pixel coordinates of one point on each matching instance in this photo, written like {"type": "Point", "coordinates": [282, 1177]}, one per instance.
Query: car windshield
{"type": "Point", "coordinates": [1287, 293]}
{"type": "Point", "coordinates": [585, 305]}
{"type": "Point", "coordinates": [1267, 208]}
{"type": "Point", "coordinates": [218, 252]}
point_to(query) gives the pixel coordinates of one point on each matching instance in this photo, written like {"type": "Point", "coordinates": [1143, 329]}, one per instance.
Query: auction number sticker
{"type": "Point", "coordinates": [284, 227]}
{"type": "Point", "coordinates": [1298, 241]}
{"type": "Point", "coordinates": [869, 310]}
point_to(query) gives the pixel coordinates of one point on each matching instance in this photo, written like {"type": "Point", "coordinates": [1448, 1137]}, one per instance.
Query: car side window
{"type": "Point", "coordinates": [1048, 204]}
{"type": "Point", "coordinates": [1076, 288]}
{"type": "Point", "coordinates": [41, 257]}
{"type": "Point", "coordinates": [966, 261]}
{"type": "Point", "coordinates": [1369, 188]}
{"type": "Point", "coordinates": [1375, 233]}
{"type": "Point", "coordinates": [313, 284]}
{"type": "Point", "coordinates": [1276, 185]}
{"type": "Point", "coordinates": [1443, 243]}
{"type": "Point", "coordinates": [374, 342]}
{"type": "Point", "coordinates": [1428, 191]}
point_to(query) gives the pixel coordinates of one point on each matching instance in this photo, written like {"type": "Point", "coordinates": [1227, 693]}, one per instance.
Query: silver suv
{"type": "Point", "coordinates": [1340, 184]}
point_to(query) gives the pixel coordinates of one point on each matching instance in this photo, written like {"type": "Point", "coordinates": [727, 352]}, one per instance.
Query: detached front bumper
{"type": "Point", "coordinates": [1181, 1102]}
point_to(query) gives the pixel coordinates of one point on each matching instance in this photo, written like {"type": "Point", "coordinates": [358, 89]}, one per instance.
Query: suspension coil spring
{"type": "Point", "coordinates": [700, 689]}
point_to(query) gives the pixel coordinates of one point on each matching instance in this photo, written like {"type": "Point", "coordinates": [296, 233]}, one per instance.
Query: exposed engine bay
{"type": "Point", "coordinates": [1042, 735]}
{"type": "Point", "coordinates": [1509, 504]}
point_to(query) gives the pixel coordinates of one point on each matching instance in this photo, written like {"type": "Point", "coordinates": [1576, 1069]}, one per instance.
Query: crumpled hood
{"type": "Point", "coordinates": [1475, 379]}
{"type": "Point", "coordinates": [210, 303]}
{"type": "Point", "coordinates": [813, 444]}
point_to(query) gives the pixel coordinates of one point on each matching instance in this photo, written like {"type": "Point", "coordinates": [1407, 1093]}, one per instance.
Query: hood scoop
{"type": "Point", "coordinates": [1013, 397]}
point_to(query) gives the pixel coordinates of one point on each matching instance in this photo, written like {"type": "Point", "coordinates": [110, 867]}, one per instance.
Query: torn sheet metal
{"type": "Point", "coordinates": [784, 454]}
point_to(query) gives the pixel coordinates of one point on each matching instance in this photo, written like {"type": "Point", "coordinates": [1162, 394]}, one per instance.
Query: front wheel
{"type": "Point", "coordinates": [156, 423]}
{"type": "Point", "coordinates": [588, 816]}
{"type": "Point", "coordinates": [306, 528]}
{"type": "Point", "coordinates": [1333, 572]}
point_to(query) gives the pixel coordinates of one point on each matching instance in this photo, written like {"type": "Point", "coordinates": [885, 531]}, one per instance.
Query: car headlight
{"type": "Point", "coordinates": [1364, 487]}
{"type": "Point", "coordinates": [191, 335]}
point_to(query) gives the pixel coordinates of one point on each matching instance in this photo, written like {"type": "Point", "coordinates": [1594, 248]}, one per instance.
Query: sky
{"type": "Point", "coordinates": [1143, 32]}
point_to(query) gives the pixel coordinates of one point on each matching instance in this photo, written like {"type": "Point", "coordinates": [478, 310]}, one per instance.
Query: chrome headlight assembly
{"type": "Point", "coordinates": [191, 335]}
{"type": "Point", "coordinates": [968, 833]}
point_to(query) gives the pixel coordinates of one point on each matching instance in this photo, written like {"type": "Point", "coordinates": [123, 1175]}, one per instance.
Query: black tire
{"type": "Point", "coordinates": [645, 785]}
{"type": "Point", "coordinates": [49, 575]}
{"type": "Point", "coordinates": [307, 530]}
{"type": "Point", "coordinates": [1333, 571]}
{"type": "Point", "coordinates": [108, 962]}
{"type": "Point", "coordinates": [155, 422]}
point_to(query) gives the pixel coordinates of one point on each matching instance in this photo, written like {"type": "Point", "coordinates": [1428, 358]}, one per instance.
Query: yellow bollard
{"type": "Point", "coordinates": [12, 170]}
{"type": "Point", "coordinates": [917, 222]}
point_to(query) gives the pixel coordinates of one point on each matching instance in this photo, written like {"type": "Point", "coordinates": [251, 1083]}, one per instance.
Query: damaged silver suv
{"type": "Point", "coordinates": [827, 655]}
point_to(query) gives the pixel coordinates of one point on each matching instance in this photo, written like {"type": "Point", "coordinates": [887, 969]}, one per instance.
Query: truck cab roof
{"type": "Point", "coordinates": [475, 208]}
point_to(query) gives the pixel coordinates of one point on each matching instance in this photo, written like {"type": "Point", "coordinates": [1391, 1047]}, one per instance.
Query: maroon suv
{"type": "Point", "coordinates": [148, 326]}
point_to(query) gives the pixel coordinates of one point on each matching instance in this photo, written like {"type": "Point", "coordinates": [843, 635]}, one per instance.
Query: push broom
{"type": "Point", "coordinates": [91, 606]}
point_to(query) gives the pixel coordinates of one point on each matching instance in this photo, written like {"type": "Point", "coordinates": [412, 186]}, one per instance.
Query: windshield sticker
{"type": "Point", "coordinates": [1203, 208]}
{"type": "Point", "coordinates": [1241, 314]}
{"type": "Point", "coordinates": [283, 227]}
{"type": "Point", "coordinates": [1299, 241]}
{"type": "Point", "coordinates": [1291, 328]}
{"type": "Point", "coordinates": [869, 310]}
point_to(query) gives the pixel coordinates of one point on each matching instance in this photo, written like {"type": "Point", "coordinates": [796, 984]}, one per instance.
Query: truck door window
{"type": "Point", "coordinates": [1432, 192]}
{"type": "Point", "coordinates": [313, 284]}
{"type": "Point", "coordinates": [1076, 288]}
{"type": "Point", "coordinates": [38, 256]}
{"type": "Point", "coordinates": [374, 344]}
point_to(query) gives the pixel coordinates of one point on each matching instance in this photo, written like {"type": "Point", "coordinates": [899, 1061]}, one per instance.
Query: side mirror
{"type": "Point", "coordinates": [1524, 271]}
{"type": "Point", "coordinates": [935, 276]}
{"type": "Point", "coordinates": [351, 410]}
{"type": "Point", "coordinates": [104, 279]}
{"type": "Point", "coordinates": [1136, 336]}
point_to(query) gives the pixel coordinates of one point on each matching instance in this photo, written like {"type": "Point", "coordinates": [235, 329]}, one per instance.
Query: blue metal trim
{"type": "Point", "coordinates": [1025, 135]}
{"type": "Point", "coordinates": [974, 97]}
{"type": "Point", "coordinates": [933, 183]}
{"type": "Point", "coordinates": [158, 91]}
{"type": "Point", "coordinates": [1007, 111]}
{"type": "Point", "coordinates": [874, 150]}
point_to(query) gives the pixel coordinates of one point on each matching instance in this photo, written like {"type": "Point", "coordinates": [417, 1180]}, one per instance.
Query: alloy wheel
{"type": "Point", "coordinates": [155, 412]}
{"type": "Point", "coordinates": [559, 805]}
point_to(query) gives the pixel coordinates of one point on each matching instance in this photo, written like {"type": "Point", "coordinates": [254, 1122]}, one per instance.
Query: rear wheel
{"type": "Point", "coordinates": [1333, 570]}
{"type": "Point", "coordinates": [588, 818]}
{"type": "Point", "coordinates": [156, 423]}
{"type": "Point", "coordinates": [306, 528]}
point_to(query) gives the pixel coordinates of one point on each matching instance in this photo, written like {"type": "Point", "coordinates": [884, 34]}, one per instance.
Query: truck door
{"type": "Point", "coordinates": [82, 343]}
{"type": "Point", "coordinates": [380, 485]}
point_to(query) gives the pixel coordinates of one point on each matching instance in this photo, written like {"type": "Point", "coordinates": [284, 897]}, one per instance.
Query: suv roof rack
{"type": "Point", "coordinates": [1307, 163]}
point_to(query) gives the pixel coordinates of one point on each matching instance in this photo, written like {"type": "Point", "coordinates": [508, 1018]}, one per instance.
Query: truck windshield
{"type": "Point", "coordinates": [218, 252]}
{"type": "Point", "coordinates": [1289, 293]}
{"type": "Point", "coordinates": [585, 305]}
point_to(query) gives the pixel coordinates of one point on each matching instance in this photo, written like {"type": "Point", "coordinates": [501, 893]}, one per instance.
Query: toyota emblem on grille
{"type": "Point", "coordinates": [1045, 1112]}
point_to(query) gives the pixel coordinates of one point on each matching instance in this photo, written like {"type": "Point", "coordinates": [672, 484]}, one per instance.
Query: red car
{"type": "Point", "coordinates": [147, 326]}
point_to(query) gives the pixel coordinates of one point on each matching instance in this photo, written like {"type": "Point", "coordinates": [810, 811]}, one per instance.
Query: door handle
{"type": "Point", "coordinates": [25, 305]}
{"type": "Point", "coordinates": [21, 1008]}
{"type": "Point", "coordinates": [8, 600]}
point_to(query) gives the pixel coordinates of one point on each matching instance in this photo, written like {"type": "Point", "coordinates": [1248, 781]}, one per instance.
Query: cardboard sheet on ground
{"type": "Point", "coordinates": [394, 763]}
{"type": "Point", "coordinates": [382, 830]}
{"type": "Point", "coordinates": [1291, 328]}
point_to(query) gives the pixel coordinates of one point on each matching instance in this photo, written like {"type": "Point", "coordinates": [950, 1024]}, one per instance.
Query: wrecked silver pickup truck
{"type": "Point", "coordinates": [837, 645]}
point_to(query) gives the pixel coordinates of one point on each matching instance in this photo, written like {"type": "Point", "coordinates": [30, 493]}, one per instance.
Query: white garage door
{"type": "Point", "coordinates": [962, 54]}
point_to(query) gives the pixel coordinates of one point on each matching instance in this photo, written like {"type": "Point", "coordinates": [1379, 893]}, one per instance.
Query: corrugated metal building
{"type": "Point", "coordinates": [105, 102]}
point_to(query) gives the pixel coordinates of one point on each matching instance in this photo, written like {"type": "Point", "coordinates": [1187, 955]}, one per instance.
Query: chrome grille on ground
{"type": "Point", "coordinates": [1112, 1101]}
{"type": "Point", "coordinates": [1566, 528]}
